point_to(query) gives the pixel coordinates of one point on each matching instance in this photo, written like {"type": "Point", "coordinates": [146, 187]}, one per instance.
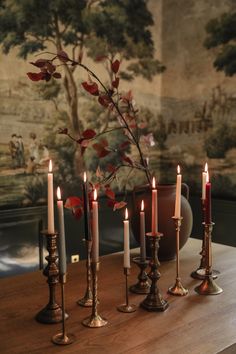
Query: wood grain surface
{"type": "Point", "coordinates": [194, 324]}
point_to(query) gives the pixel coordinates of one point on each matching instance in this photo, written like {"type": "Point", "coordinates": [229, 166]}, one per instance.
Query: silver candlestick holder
{"type": "Point", "coordinates": [177, 289]}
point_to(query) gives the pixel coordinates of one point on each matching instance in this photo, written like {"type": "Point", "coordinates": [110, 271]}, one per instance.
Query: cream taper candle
{"type": "Point", "coordinates": [154, 207]}
{"type": "Point", "coordinates": [95, 228]}
{"type": "Point", "coordinates": [61, 239]}
{"type": "Point", "coordinates": [126, 241]}
{"type": "Point", "coordinates": [178, 193]}
{"type": "Point", "coordinates": [142, 233]}
{"type": "Point", "coordinates": [51, 228]}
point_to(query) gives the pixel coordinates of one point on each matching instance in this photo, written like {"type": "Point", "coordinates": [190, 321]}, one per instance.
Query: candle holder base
{"type": "Point", "coordinates": [94, 321]}
{"type": "Point", "coordinates": [87, 300]}
{"type": "Point", "coordinates": [208, 287]}
{"type": "Point", "coordinates": [154, 303]}
{"type": "Point", "coordinates": [61, 339]}
{"type": "Point", "coordinates": [50, 315]}
{"type": "Point", "coordinates": [142, 286]}
{"type": "Point", "coordinates": [127, 308]}
{"type": "Point", "coordinates": [178, 289]}
{"type": "Point", "coordinates": [200, 274]}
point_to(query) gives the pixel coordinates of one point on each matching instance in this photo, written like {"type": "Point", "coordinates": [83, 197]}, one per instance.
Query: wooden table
{"type": "Point", "coordinates": [192, 324]}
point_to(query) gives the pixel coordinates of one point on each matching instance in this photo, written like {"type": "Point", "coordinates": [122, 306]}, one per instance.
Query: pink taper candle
{"type": "Point", "coordinates": [126, 241]}
{"type": "Point", "coordinates": [178, 193]}
{"type": "Point", "coordinates": [51, 228]}
{"type": "Point", "coordinates": [204, 181]}
{"type": "Point", "coordinates": [95, 229]}
{"type": "Point", "coordinates": [142, 233]}
{"type": "Point", "coordinates": [154, 207]}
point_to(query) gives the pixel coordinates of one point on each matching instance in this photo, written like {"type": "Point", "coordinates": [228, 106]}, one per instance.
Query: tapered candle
{"type": "Point", "coordinates": [142, 233]}
{"type": "Point", "coordinates": [126, 241]}
{"type": "Point", "coordinates": [208, 202]}
{"type": "Point", "coordinates": [86, 210]}
{"type": "Point", "coordinates": [154, 207]}
{"type": "Point", "coordinates": [51, 228]}
{"type": "Point", "coordinates": [204, 181]}
{"type": "Point", "coordinates": [95, 229]}
{"type": "Point", "coordinates": [178, 193]}
{"type": "Point", "coordinates": [62, 244]}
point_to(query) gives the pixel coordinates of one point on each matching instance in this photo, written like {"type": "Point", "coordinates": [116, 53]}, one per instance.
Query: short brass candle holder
{"type": "Point", "coordinates": [87, 300]}
{"type": "Point", "coordinates": [95, 320]}
{"type": "Point", "coordinates": [199, 273]}
{"type": "Point", "coordinates": [154, 300]}
{"type": "Point", "coordinates": [177, 289]}
{"type": "Point", "coordinates": [208, 285]}
{"type": "Point", "coordinates": [142, 286]}
{"type": "Point", "coordinates": [52, 312]}
{"type": "Point", "coordinates": [127, 307]}
{"type": "Point", "coordinates": [63, 338]}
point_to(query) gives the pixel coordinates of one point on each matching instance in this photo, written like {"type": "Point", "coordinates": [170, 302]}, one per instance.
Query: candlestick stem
{"type": "Point", "coordinates": [142, 286]}
{"type": "Point", "coordinates": [177, 289]}
{"type": "Point", "coordinates": [127, 307]}
{"type": "Point", "coordinates": [199, 273]}
{"type": "Point", "coordinates": [52, 312]}
{"type": "Point", "coordinates": [154, 300]}
{"type": "Point", "coordinates": [63, 338]}
{"type": "Point", "coordinates": [87, 300]}
{"type": "Point", "coordinates": [95, 320]}
{"type": "Point", "coordinates": [208, 285]}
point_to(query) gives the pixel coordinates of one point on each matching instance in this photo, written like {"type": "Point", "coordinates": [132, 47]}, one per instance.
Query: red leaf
{"type": "Point", "coordinates": [36, 76]}
{"type": "Point", "coordinates": [103, 101]}
{"type": "Point", "coordinates": [100, 58]}
{"type": "Point", "coordinates": [127, 159]}
{"type": "Point", "coordinates": [56, 75]}
{"type": "Point", "coordinates": [50, 67]}
{"type": "Point", "coordinates": [111, 168]}
{"type": "Point", "coordinates": [128, 97]}
{"type": "Point", "coordinates": [115, 66]}
{"type": "Point", "coordinates": [115, 83]}
{"type": "Point", "coordinates": [72, 202]}
{"type": "Point", "coordinates": [39, 63]}
{"type": "Point", "coordinates": [97, 146]}
{"type": "Point", "coordinates": [77, 212]}
{"type": "Point", "coordinates": [91, 88]}
{"type": "Point", "coordinates": [103, 153]}
{"type": "Point", "coordinates": [124, 145]}
{"type": "Point", "coordinates": [109, 193]}
{"type": "Point", "coordinates": [62, 56]}
{"type": "Point", "coordinates": [104, 142]}
{"type": "Point", "coordinates": [89, 134]}
{"type": "Point", "coordinates": [119, 205]}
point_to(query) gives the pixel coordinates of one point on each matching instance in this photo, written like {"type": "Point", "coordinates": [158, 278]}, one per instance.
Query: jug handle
{"type": "Point", "coordinates": [186, 187]}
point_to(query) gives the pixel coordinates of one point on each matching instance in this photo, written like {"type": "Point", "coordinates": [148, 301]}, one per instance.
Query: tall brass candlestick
{"type": "Point", "coordinates": [177, 289]}
{"type": "Point", "coordinates": [127, 307]}
{"type": "Point", "coordinates": [87, 300]}
{"type": "Point", "coordinates": [208, 285]}
{"type": "Point", "coordinates": [154, 300]}
{"type": "Point", "coordinates": [95, 320]}
{"type": "Point", "coordinates": [63, 338]}
{"type": "Point", "coordinates": [52, 312]}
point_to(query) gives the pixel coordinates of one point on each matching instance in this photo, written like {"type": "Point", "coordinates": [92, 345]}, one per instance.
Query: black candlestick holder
{"type": "Point", "coordinates": [52, 312]}
{"type": "Point", "coordinates": [142, 286]}
{"type": "Point", "coordinates": [154, 300]}
{"type": "Point", "coordinates": [63, 338]}
{"type": "Point", "coordinates": [87, 300]}
{"type": "Point", "coordinates": [127, 307]}
{"type": "Point", "coordinates": [208, 285]}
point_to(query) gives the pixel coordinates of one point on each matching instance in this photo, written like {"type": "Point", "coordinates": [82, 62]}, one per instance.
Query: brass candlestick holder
{"type": "Point", "coordinates": [87, 300]}
{"type": "Point", "coordinates": [127, 307]}
{"type": "Point", "coordinates": [199, 273]}
{"type": "Point", "coordinates": [208, 285]}
{"type": "Point", "coordinates": [63, 338]}
{"type": "Point", "coordinates": [52, 312]}
{"type": "Point", "coordinates": [177, 289]}
{"type": "Point", "coordinates": [154, 300]}
{"type": "Point", "coordinates": [95, 320]}
{"type": "Point", "coordinates": [142, 286]}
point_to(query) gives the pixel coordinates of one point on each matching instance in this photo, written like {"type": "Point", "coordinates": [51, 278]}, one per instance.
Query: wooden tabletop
{"type": "Point", "coordinates": [193, 324]}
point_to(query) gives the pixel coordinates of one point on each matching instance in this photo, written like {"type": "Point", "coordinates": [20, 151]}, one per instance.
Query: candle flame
{"type": "Point", "coordinates": [126, 214]}
{"type": "Point", "coordinates": [58, 193]}
{"type": "Point", "coordinates": [85, 177]}
{"type": "Point", "coordinates": [50, 166]}
{"type": "Point", "coordinates": [206, 167]}
{"type": "Point", "coordinates": [178, 169]}
{"type": "Point", "coordinates": [153, 182]}
{"type": "Point", "coordinates": [95, 194]}
{"type": "Point", "coordinates": [207, 177]}
{"type": "Point", "coordinates": [142, 205]}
